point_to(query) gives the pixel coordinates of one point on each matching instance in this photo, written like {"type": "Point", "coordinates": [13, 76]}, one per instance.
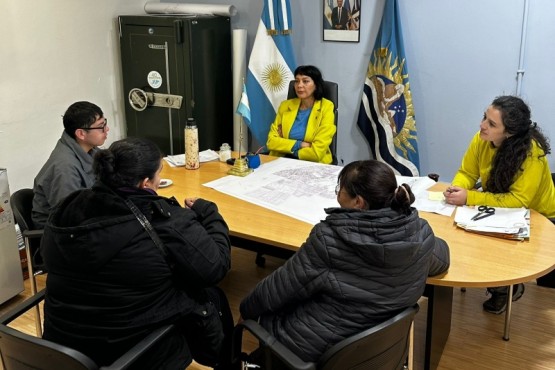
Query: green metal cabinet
{"type": "Point", "coordinates": [173, 68]}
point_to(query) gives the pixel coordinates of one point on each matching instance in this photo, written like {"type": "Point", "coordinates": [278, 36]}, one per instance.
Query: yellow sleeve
{"type": "Point", "coordinates": [469, 171]}
{"type": "Point", "coordinates": [276, 143]}
{"type": "Point", "coordinates": [320, 131]}
{"type": "Point", "coordinates": [522, 191]}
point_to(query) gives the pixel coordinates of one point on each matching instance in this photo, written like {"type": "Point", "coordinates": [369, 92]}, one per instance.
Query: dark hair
{"type": "Point", "coordinates": [127, 162]}
{"type": "Point", "coordinates": [316, 76]}
{"type": "Point", "coordinates": [375, 182]}
{"type": "Point", "coordinates": [513, 151]}
{"type": "Point", "coordinates": [81, 114]}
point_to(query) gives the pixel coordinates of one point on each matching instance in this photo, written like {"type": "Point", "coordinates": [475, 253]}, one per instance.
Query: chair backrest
{"type": "Point", "coordinates": [22, 204]}
{"type": "Point", "coordinates": [20, 351]}
{"type": "Point", "coordinates": [384, 346]}
{"type": "Point", "coordinates": [331, 92]}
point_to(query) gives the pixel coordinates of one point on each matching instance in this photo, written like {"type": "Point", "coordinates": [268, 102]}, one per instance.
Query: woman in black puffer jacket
{"type": "Point", "coordinates": [109, 285]}
{"type": "Point", "coordinates": [365, 263]}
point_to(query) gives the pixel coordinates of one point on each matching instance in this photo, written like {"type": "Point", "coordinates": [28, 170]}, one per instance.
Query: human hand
{"type": "Point", "coordinates": [305, 144]}
{"type": "Point", "coordinates": [280, 131]}
{"type": "Point", "coordinates": [455, 195]}
{"type": "Point", "coordinates": [189, 202]}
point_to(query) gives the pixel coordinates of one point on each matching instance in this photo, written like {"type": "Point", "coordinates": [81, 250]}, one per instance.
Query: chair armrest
{"type": "Point", "coordinates": [140, 348]}
{"type": "Point", "coordinates": [32, 234]}
{"type": "Point", "coordinates": [21, 308]}
{"type": "Point", "coordinates": [268, 340]}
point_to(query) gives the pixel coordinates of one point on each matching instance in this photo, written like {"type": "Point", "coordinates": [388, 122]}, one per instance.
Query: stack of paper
{"type": "Point", "coordinates": [179, 159]}
{"type": "Point", "coordinates": [507, 223]}
{"type": "Point", "coordinates": [426, 201]}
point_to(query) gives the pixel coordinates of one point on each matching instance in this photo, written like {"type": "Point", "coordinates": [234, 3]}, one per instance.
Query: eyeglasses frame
{"type": "Point", "coordinates": [103, 127]}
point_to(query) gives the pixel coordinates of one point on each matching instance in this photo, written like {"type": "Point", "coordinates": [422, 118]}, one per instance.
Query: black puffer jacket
{"type": "Point", "coordinates": [356, 269]}
{"type": "Point", "coordinates": [108, 284]}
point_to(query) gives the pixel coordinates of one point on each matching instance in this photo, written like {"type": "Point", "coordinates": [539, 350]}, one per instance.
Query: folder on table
{"type": "Point", "coordinates": [506, 223]}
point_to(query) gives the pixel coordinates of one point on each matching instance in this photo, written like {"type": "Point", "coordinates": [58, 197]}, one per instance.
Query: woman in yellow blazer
{"type": "Point", "coordinates": [304, 126]}
{"type": "Point", "coordinates": [509, 156]}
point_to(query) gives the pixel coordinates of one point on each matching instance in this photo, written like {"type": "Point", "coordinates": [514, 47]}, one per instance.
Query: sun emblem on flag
{"type": "Point", "coordinates": [395, 98]}
{"type": "Point", "coordinates": [274, 77]}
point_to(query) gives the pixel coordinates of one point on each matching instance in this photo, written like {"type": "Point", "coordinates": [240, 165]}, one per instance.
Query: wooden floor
{"type": "Point", "coordinates": [476, 336]}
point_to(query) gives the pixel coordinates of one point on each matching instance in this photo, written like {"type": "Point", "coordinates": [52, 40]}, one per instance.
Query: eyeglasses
{"type": "Point", "coordinates": [337, 188]}
{"type": "Point", "coordinates": [101, 127]}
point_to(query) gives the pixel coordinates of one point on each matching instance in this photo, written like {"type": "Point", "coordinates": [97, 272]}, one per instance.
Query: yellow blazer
{"type": "Point", "coordinates": [319, 131]}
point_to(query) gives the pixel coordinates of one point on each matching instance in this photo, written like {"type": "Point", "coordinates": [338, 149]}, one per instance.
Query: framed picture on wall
{"type": "Point", "coordinates": [341, 20]}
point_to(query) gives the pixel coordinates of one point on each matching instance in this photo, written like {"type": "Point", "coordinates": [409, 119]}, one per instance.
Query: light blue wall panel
{"type": "Point", "coordinates": [460, 53]}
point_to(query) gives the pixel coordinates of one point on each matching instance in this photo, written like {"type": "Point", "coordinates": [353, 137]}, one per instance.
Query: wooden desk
{"type": "Point", "coordinates": [476, 261]}
{"type": "Point", "coordinates": [257, 227]}
{"type": "Point", "coordinates": [481, 261]}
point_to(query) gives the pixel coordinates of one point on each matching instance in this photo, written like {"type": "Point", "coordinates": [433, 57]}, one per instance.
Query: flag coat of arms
{"type": "Point", "coordinates": [270, 68]}
{"type": "Point", "coordinates": [386, 115]}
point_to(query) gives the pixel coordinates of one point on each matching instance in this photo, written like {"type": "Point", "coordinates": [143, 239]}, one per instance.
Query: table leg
{"type": "Point", "coordinates": [438, 323]}
{"type": "Point", "coordinates": [508, 313]}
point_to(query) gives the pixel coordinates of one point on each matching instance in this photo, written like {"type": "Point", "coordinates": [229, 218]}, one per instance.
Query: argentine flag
{"type": "Point", "coordinates": [244, 107]}
{"type": "Point", "coordinates": [271, 67]}
{"type": "Point", "coordinates": [328, 6]}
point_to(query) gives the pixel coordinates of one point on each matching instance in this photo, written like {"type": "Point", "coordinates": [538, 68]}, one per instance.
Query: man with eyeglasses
{"type": "Point", "coordinates": [69, 166]}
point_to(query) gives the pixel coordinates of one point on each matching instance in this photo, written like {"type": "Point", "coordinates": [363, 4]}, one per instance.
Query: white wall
{"type": "Point", "coordinates": [461, 54]}
{"type": "Point", "coordinates": [55, 53]}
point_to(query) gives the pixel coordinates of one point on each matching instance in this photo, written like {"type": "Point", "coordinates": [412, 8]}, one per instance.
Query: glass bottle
{"type": "Point", "coordinates": [191, 145]}
{"type": "Point", "coordinates": [225, 152]}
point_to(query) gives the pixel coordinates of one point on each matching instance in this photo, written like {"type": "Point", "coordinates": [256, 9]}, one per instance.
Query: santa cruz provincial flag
{"type": "Point", "coordinates": [271, 67]}
{"type": "Point", "coordinates": [386, 115]}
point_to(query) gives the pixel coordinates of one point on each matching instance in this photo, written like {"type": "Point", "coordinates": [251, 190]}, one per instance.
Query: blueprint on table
{"type": "Point", "coordinates": [299, 189]}
{"type": "Point", "coordinates": [302, 189]}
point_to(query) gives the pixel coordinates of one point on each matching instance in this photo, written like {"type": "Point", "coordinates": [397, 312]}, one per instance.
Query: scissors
{"type": "Point", "coordinates": [483, 212]}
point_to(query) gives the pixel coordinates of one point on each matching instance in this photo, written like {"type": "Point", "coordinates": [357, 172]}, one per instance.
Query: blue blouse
{"type": "Point", "coordinates": [298, 130]}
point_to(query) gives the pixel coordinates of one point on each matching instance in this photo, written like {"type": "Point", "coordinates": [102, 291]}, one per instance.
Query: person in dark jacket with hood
{"type": "Point", "coordinates": [365, 263]}
{"type": "Point", "coordinates": [109, 285]}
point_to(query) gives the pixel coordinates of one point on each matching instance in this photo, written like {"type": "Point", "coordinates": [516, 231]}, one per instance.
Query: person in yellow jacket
{"type": "Point", "coordinates": [509, 156]}
{"type": "Point", "coordinates": [304, 126]}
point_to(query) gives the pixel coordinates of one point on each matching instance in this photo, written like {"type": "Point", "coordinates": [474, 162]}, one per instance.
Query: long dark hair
{"type": "Point", "coordinates": [127, 162]}
{"type": "Point", "coordinates": [375, 182]}
{"type": "Point", "coordinates": [316, 76]}
{"type": "Point", "coordinates": [513, 151]}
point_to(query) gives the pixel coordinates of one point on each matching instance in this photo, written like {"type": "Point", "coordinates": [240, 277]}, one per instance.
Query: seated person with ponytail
{"type": "Point", "coordinates": [304, 126]}
{"type": "Point", "coordinates": [110, 282]}
{"type": "Point", "coordinates": [365, 263]}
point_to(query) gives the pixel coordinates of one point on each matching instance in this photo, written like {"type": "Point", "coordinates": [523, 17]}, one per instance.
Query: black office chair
{"type": "Point", "coordinates": [22, 204]}
{"type": "Point", "coordinates": [331, 92]}
{"type": "Point", "coordinates": [384, 346]}
{"type": "Point", "coordinates": [20, 351]}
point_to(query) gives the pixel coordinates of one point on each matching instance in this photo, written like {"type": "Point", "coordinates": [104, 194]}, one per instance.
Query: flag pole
{"type": "Point", "coordinates": [241, 126]}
